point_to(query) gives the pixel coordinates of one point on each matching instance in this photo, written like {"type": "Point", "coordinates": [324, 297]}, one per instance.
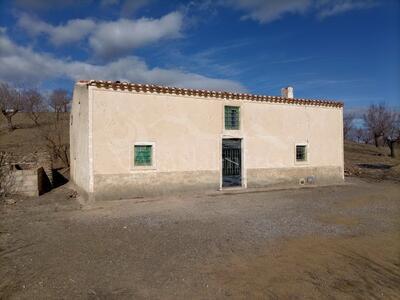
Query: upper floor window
{"type": "Point", "coordinates": [232, 117]}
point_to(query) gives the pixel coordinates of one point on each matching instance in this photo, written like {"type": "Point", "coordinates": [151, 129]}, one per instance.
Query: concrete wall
{"type": "Point", "coordinates": [33, 182]}
{"type": "Point", "coordinates": [186, 133]}
{"type": "Point", "coordinates": [44, 160]}
{"type": "Point", "coordinates": [79, 138]}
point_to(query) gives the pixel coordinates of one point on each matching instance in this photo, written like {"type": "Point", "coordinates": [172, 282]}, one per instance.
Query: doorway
{"type": "Point", "coordinates": [231, 162]}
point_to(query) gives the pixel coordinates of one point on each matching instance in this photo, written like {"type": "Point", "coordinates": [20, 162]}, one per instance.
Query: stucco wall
{"type": "Point", "coordinates": [187, 132]}
{"type": "Point", "coordinates": [79, 138]}
{"type": "Point", "coordinates": [273, 130]}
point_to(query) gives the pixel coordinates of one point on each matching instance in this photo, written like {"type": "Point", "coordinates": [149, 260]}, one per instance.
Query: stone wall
{"type": "Point", "coordinates": [137, 185]}
{"type": "Point", "coordinates": [29, 182]}
{"type": "Point", "coordinates": [29, 175]}
{"type": "Point", "coordinates": [123, 186]}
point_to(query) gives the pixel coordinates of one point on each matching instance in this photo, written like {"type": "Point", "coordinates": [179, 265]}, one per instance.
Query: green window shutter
{"type": "Point", "coordinates": [143, 155]}
{"type": "Point", "coordinates": [232, 117]}
{"type": "Point", "coordinates": [301, 153]}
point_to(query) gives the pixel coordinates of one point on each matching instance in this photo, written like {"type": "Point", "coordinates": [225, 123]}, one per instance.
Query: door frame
{"type": "Point", "coordinates": [243, 162]}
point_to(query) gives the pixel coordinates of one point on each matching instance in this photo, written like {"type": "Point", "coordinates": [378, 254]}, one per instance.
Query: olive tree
{"type": "Point", "coordinates": [34, 104]}
{"type": "Point", "coordinates": [11, 102]}
{"type": "Point", "coordinates": [59, 101]}
{"type": "Point", "coordinates": [380, 121]}
{"type": "Point", "coordinates": [393, 140]}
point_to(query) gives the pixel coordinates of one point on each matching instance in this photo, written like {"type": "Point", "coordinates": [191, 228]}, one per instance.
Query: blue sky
{"type": "Point", "coordinates": [347, 50]}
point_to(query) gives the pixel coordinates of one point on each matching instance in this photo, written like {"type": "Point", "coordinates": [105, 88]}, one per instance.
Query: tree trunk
{"type": "Point", "coordinates": [379, 140]}
{"type": "Point", "coordinates": [10, 125]}
{"type": "Point", "coordinates": [8, 115]}
{"type": "Point", "coordinates": [34, 117]}
{"type": "Point", "coordinates": [376, 137]}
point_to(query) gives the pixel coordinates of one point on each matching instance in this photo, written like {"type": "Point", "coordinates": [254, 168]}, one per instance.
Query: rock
{"type": "Point", "coordinates": [73, 194]}
{"type": "Point", "coordinates": [10, 201]}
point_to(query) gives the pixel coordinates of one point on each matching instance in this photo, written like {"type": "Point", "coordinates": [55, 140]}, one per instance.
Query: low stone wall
{"type": "Point", "coordinates": [147, 184]}
{"type": "Point", "coordinates": [30, 182]}
{"type": "Point", "coordinates": [294, 176]}
{"type": "Point", "coordinates": [29, 175]}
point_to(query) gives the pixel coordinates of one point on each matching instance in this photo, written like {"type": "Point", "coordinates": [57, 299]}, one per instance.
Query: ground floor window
{"type": "Point", "coordinates": [143, 155]}
{"type": "Point", "coordinates": [301, 153]}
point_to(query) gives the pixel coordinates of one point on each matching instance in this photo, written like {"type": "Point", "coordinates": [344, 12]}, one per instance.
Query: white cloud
{"type": "Point", "coordinates": [331, 8]}
{"type": "Point", "coordinates": [70, 32]}
{"type": "Point", "coordinates": [107, 39]}
{"type": "Point", "coordinates": [111, 39]}
{"type": "Point", "coordinates": [20, 65]}
{"type": "Point", "coordinates": [129, 7]}
{"type": "Point", "coordinates": [270, 10]}
{"type": "Point", "coordinates": [265, 11]}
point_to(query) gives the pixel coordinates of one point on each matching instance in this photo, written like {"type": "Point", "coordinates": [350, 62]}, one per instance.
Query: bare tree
{"type": "Point", "coordinates": [34, 104]}
{"type": "Point", "coordinates": [11, 102]}
{"type": "Point", "coordinates": [348, 120]}
{"type": "Point", "coordinates": [56, 133]}
{"type": "Point", "coordinates": [57, 142]}
{"type": "Point", "coordinates": [59, 101]}
{"type": "Point", "coordinates": [393, 140]}
{"type": "Point", "coordinates": [359, 134]}
{"type": "Point", "coordinates": [379, 120]}
{"type": "Point", "coordinates": [367, 138]}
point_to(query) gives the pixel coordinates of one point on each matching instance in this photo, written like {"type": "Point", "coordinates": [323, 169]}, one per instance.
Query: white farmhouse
{"type": "Point", "coordinates": [131, 140]}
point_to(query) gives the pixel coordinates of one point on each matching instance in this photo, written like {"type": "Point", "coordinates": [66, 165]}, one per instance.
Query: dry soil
{"type": "Point", "coordinates": [339, 242]}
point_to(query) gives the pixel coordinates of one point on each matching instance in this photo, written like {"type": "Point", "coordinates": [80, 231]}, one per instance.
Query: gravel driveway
{"type": "Point", "coordinates": [339, 241]}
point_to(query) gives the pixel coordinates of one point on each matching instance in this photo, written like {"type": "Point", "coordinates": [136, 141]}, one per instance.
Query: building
{"type": "Point", "coordinates": [131, 140]}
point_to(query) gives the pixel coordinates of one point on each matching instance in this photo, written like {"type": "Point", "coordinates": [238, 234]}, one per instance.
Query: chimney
{"type": "Point", "coordinates": [287, 92]}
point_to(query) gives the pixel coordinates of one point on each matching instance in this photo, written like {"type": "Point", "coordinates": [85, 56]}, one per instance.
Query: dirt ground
{"type": "Point", "coordinates": [315, 243]}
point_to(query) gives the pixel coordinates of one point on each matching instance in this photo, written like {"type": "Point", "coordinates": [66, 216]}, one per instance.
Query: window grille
{"type": "Point", "coordinates": [143, 155]}
{"type": "Point", "coordinates": [301, 153]}
{"type": "Point", "coordinates": [232, 117]}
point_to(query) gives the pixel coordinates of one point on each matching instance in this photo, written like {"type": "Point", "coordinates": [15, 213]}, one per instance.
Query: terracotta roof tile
{"type": "Point", "coordinates": [206, 93]}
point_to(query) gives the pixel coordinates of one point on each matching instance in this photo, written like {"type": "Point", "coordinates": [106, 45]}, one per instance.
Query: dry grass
{"type": "Point", "coordinates": [370, 162]}
{"type": "Point", "coordinates": [28, 138]}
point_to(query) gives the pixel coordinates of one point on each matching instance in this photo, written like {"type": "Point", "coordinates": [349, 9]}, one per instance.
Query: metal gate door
{"type": "Point", "coordinates": [231, 162]}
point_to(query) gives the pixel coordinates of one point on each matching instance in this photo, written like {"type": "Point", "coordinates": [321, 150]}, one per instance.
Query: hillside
{"type": "Point", "coordinates": [360, 160]}
{"type": "Point", "coordinates": [27, 137]}
{"type": "Point", "coordinates": [370, 162]}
